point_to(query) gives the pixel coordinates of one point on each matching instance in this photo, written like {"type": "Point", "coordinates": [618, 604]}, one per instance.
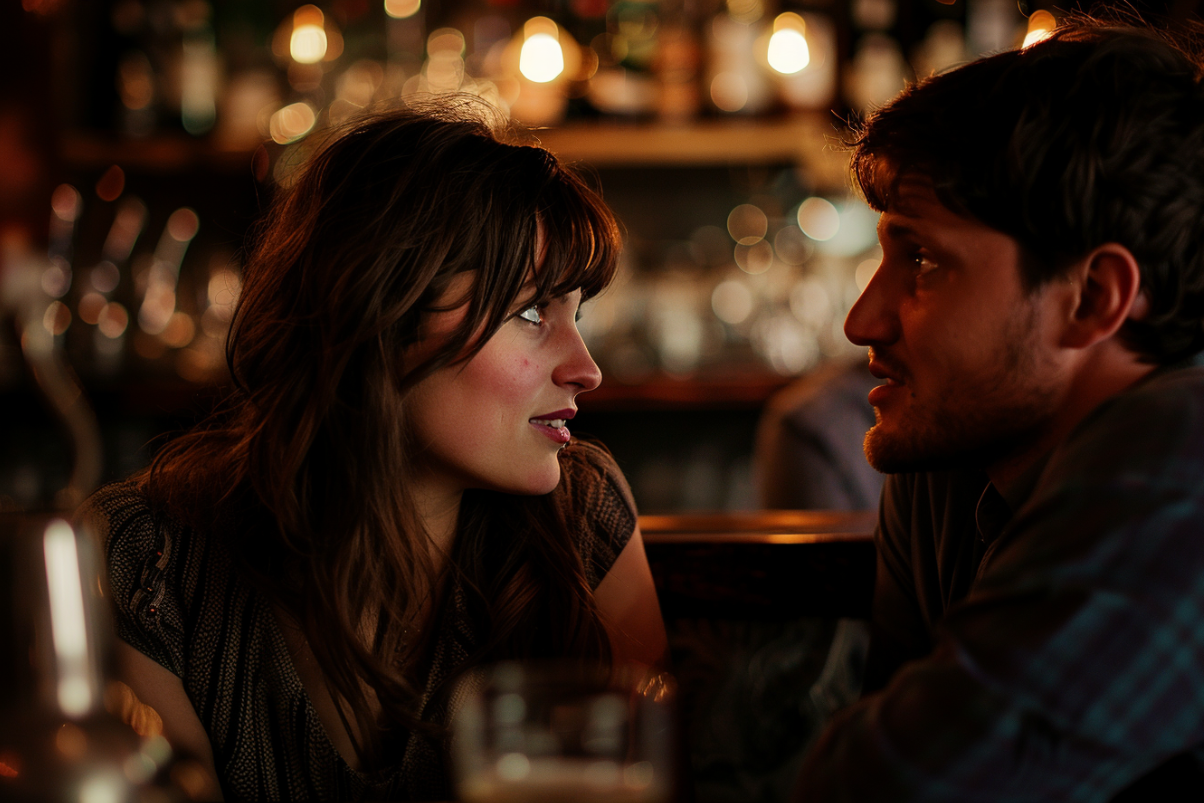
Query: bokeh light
{"type": "Point", "coordinates": [66, 203]}
{"type": "Point", "coordinates": [541, 59]}
{"type": "Point", "coordinates": [180, 330]}
{"type": "Point", "coordinates": [746, 11]}
{"type": "Point", "coordinates": [792, 246]}
{"type": "Point", "coordinates": [113, 320]}
{"type": "Point", "coordinates": [307, 45]}
{"type": "Point", "coordinates": [865, 272]}
{"type": "Point", "coordinates": [810, 302]}
{"type": "Point", "coordinates": [788, 50]}
{"type": "Point", "coordinates": [90, 306]}
{"type": "Point", "coordinates": [57, 318]}
{"type": "Point", "coordinates": [729, 92]}
{"type": "Point", "coordinates": [747, 224]}
{"type": "Point", "coordinates": [105, 277]}
{"type": "Point", "coordinates": [755, 258]}
{"type": "Point", "coordinates": [402, 9]}
{"type": "Point", "coordinates": [1040, 25]}
{"type": "Point", "coordinates": [818, 219]}
{"type": "Point", "coordinates": [183, 224]}
{"type": "Point", "coordinates": [111, 184]}
{"type": "Point", "coordinates": [732, 301]}
{"type": "Point", "coordinates": [291, 123]}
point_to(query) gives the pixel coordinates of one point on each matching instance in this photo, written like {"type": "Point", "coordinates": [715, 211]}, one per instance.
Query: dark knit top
{"type": "Point", "coordinates": [179, 598]}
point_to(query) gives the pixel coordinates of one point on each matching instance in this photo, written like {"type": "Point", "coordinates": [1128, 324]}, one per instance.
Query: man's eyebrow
{"type": "Point", "coordinates": [897, 231]}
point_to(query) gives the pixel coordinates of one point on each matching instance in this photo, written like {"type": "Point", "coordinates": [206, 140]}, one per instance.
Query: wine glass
{"type": "Point", "coordinates": [565, 733]}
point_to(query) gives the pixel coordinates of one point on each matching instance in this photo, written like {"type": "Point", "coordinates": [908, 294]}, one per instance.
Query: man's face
{"type": "Point", "coordinates": [969, 356]}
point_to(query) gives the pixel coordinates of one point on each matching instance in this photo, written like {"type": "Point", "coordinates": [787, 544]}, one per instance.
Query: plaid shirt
{"type": "Point", "coordinates": [1056, 653]}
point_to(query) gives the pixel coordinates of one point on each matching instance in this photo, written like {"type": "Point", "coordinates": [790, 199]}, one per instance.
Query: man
{"type": "Point", "coordinates": [1038, 627]}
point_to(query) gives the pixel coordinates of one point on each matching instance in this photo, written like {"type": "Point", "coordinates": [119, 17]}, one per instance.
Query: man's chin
{"type": "Point", "coordinates": [893, 452]}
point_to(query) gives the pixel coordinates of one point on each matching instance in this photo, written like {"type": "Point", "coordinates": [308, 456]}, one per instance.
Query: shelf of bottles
{"type": "Point", "coordinates": [740, 295]}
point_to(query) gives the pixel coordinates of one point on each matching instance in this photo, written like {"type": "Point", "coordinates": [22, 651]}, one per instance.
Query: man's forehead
{"type": "Point", "coordinates": [913, 196]}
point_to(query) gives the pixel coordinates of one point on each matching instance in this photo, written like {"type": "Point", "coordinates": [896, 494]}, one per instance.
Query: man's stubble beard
{"type": "Point", "coordinates": [979, 420]}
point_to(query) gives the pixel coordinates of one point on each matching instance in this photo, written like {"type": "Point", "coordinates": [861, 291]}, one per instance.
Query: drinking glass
{"type": "Point", "coordinates": [560, 733]}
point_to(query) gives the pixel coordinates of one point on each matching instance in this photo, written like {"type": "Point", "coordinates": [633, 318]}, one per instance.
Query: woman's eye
{"type": "Point", "coordinates": [531, 315]}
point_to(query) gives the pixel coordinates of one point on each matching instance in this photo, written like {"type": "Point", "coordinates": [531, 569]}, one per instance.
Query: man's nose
{"type": "Point", "coordinates": [872, 320]}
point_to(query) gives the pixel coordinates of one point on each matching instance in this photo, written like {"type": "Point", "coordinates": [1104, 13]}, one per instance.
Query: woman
{"type": "Point", "coordinates": [391, 496]}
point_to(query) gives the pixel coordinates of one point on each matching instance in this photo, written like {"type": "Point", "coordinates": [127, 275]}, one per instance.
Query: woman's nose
{"type": "Point", "coordinates": [871, 321]}
{"type": "Point", "coordinates": [577, 367]}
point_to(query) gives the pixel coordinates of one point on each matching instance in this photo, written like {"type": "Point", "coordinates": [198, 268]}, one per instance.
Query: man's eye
{"type": "Point", "coordinates": [924, 263]}
{"type": "Point", "coordinates": [531, 314]}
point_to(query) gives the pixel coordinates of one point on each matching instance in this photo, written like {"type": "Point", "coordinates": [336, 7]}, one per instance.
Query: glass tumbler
{"type": "Point", "coordinates": [559, 733]}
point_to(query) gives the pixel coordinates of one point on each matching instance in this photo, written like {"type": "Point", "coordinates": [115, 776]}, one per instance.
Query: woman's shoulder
{"type": "Point", "coordinates": [150, 560]}
{"type": "Point", "coordinates": [597, 503]}
{"type": "Point", "coordinates": [119, 514]}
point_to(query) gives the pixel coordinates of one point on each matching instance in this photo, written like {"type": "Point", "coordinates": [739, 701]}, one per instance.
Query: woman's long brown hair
{"type": "Point", "coordinates": [307, 471]}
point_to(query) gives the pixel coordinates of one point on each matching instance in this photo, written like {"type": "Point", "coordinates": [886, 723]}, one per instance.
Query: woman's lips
{"type": "Point", "coordinates": [552, 425]}
{"type": "Point", "coordinates": [553, 428]}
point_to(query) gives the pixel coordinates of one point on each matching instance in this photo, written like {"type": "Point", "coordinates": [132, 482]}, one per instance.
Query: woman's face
{"type": "Point", "coordinates": [499, 420]}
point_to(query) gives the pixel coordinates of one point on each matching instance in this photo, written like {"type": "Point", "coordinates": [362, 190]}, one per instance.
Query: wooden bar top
{"type": "Point", "coordinates": [765, 565]}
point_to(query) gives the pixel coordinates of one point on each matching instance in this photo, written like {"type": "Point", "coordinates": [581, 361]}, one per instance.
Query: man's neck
{"type": "Point", "coordinates": [1106, 371]}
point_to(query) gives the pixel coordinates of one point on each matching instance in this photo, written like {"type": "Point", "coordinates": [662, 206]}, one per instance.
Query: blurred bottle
{"type": "Point", "coordinates": [735, 80]}
{"type": "Point", "coordinates": [57, 740]}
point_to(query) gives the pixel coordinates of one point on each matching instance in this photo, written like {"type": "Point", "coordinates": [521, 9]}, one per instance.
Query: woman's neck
{"type": "Point", "coordinates": [438, 508]}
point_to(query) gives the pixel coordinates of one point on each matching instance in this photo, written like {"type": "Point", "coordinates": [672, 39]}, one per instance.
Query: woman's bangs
{"type": "Point", "coordinates": [581, 241]}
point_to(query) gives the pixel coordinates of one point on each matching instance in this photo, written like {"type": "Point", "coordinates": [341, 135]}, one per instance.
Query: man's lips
{"type": "Point", "coordinates": [894, 376]}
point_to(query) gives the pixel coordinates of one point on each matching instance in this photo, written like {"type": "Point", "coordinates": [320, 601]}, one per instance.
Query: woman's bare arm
{"type": "Point", "coordinates": [630, 610]}
{"type": "Point", "coordinates": [158, 688]}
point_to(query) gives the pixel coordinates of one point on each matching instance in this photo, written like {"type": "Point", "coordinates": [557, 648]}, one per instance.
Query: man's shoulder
{"type": "Point", "coordinates": [1152, 427]}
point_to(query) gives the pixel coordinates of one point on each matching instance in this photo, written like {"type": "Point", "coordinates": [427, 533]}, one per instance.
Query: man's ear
{"type": "Point", "coordinates": [1108, 283]}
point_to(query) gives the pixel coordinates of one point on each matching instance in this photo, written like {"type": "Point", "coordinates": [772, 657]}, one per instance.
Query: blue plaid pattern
{"type": "Point", "coordinates": [1059, 657]}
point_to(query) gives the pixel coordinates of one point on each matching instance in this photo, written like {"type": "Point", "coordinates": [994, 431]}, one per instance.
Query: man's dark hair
{"type": "Point", "coordinates": [1092, 136]}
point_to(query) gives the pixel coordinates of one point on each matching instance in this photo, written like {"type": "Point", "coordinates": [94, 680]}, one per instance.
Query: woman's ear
{"type": "Point", "coordinates": [1108, 284]}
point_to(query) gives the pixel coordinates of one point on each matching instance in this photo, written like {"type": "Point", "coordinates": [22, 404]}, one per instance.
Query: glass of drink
{"type": "Point", "coordinates": [557, 733]}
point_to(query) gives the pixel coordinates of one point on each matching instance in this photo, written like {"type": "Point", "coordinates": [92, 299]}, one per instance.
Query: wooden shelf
{"type": "Point", "coordinates": [163, 153]}
{"type": "Point", "coordinates": [808, 140]}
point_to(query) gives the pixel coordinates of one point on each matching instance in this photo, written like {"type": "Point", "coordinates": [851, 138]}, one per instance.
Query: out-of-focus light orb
{"type": "Point", "coordinates": [865, 272]}
{"type": "Point", "coordinates": [788, 51]}
{"type": "Point", "coordinates": [90, 306]}
{"type": "Point", "coordinates": [729, 92]}
{"type": "Point", "coordinates": [103, 787]}
{"type": "Point", "coordinates": [66, 203]}
{"type": "Point", "coordinates": [818, 219]}
{"type": "Point", "coordinates": [113, 320]}
{"type": "Point", "coordinates": [307, 45]}
{"type": "Point", "coordinates": [792, 246]}
{"type": "Point", "coordinates": [747, 224]}
{"type": "Point", "coordinates": [732, 301]}
{"type": "Point", "coordinates": [810, 302]}
{"type": "Point", "coordinates": [445, 40]}
{"type": "Point", "coordinates": [401, 9]}
{"type": "Point", "coordinates": [183, 224]}
{"type": "Point", "coordinates": [57, 318]}
{"type": "Point", "coordinates": [291, 123]}
{"type": "Point", "coordinates": [180, 330]}
{"type": "Point", "coordinates": [541, 59]}
{"type": "Point", "coordinates": [746, 11]}
{"type": "Point", "coordinates": [111, 184]}
{"type": "Point", "coordinates": [1040, 25]}
{"type": "Point", "coordinates": [105, 277]}
{"type": "Point", "coordinates": [755, 258]}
